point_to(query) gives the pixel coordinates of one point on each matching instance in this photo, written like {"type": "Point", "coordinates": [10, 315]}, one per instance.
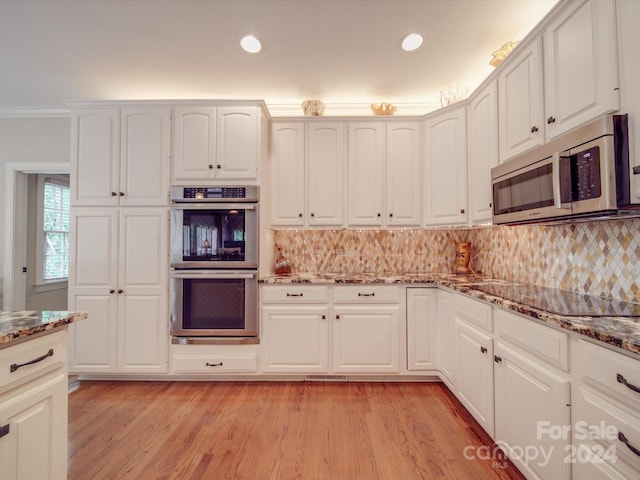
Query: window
{"type": "Point", "coordinates": [55, 197]}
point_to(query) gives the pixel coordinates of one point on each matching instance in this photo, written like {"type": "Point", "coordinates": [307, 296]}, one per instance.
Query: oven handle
{"type": "Point", "coordinates": [214, 206]}
{"type": "Point", "coordinates": [213, 274]}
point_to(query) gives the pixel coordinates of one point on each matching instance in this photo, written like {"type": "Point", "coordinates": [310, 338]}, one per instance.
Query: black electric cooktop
{"type": "Point", "coordinates": [562, 302]}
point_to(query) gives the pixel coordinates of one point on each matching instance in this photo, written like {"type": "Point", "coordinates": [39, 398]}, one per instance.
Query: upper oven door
{"type": "Point", "coordinates": [536, 191]}
{"type": "Point", "coordinates": [214, 235]}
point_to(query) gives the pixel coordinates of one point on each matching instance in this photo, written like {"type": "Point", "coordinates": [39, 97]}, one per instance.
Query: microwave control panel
{"type": "Point", "coordinates": [585, 174]}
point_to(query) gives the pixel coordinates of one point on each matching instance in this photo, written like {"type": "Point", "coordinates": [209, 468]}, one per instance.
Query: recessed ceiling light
{"type": "Point", "coordinates": [411, 42]}
{"type": "Point", "coordinates": [250, 44]}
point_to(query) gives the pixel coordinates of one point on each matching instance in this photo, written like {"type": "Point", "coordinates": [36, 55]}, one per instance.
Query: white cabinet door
{"type": "Point", "coordinates": [143, 319]}
{"type": "Point", "coordinates": [287, 173]}
{"type": "Point", "coordinates": [295, 339]}
{"type": "Point", "coordinates": [144, 171]}
{"type": "Point", "coordinates": [530, 399]}
{"type": "Point", "coordinates": [580, 66]}
{"type": "Point", "coordinates": [119, 274]}
{"type": "Point", "coordinates": [421, 328]}
{"type": "Point", "coordinates": [325, 174]}
{"type": "Point", "coordinates": [446, 168]}
{"type": "Point", "coordinates": [93, 283]}
{"type": "Point", "coordinates": [237, 143]}
{"type": "Point", "coordinates": [447, 355]}
{"type": "Point", "coordinates": [482, 147]}
{"type": "Point", "coordinates": [474, 387]}
{"type": "Point", "coordinates": [404, 174]}
{"type": "Point", "coordinates": [520, 101]}
{"type": "Point", "coordinates": [95, 156]}
{"type": "Point", "coordinates": [628, 13]}
{"type": "Point", "coordinates": [194, 144]}
{"type": "Point", "coordinates": [365, 339]}
{"type": "Point", "coordinates": [365, 173]}
{"type": "Point", "coordinates": [36, 444]}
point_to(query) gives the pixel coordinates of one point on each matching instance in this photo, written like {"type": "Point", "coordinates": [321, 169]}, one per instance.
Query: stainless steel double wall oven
{"type": "Point", "coordinates": [214, 263]}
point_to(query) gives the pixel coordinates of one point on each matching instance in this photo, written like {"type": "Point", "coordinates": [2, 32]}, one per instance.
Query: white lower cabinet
{"type": "Point", "coordinates": [205, 360]}
{"type": "Point", "coordinates": [33, 410]}
{"type": "Point", "coordinates": [422, 337]}
{"type": "Point", "coordinates": [447, 353]}
{"type": "Point", "coordinates": [338, 329]}
{"type": "Point", "coordinates": [532, 398]}
{"type": "Point", "coordinates": [605, 413]}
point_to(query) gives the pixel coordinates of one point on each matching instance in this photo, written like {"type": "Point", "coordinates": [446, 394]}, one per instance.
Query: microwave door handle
{"type": "Point", "coordinates": [557, 198]}
{"type": "Point", "coordinates": [214, 206]}
{"type": "Point", "coordinates": [213, 274]}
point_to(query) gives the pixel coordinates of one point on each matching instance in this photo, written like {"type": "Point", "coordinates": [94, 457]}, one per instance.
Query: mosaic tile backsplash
{"type": "Point", "coordinates": [600, 258]}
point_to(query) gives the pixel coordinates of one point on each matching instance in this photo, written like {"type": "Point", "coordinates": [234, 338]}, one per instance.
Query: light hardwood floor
{"type": "Point", "coordinates": [274, 430]}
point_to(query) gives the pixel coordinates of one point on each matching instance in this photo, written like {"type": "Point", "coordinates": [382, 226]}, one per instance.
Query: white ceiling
{"type": "Point", "coordinates": [344, 52]}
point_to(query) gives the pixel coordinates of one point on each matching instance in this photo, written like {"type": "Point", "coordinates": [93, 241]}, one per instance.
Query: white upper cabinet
{"type": "Point", "coordinates": [325, 152]}
{"type": "Point", "coordinates": [482, 146]}
{"type": "Point", "coordinates": [628, 13]}
{"type": "Point", "coordinates": [580, 66]}
{"type": "Point", "coordinates": [365, 173]}
{"type": "Point", "coordinates": [120, 156]}
{"type": "Point", "coordinates": [520, 101]}
{"type": "Point", "coordinates": [215, 143]}
{"type": "Point", "coordinates": [445, 188]}
{"type": "Point", "coordinates": [383, 171]}
{"type": "Point", "coordinates": [237, 143]}
{"type": "Point", "coordinates": [404, 174]}
{"type": "Point", "coordinates": [286, 193]}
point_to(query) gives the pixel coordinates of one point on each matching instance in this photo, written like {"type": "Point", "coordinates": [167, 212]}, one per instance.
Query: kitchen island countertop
{"type": "Point", "coordinates": [18, 325]}
{"type": "Point", "coordinates": [619, 331]}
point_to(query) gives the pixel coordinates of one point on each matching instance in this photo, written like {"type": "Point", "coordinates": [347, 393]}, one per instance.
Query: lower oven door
{"type": "Point", "coordinates": [214, 303]}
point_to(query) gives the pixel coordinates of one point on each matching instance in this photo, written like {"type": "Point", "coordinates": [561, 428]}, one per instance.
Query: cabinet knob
{"type": "Point", "coordinates": [313, 214]}
{"type": "Point", "coordinates": [534, 129]}
{"type": "Point", "coordinates": [379, 214]}
{"type": "Point", "coordinates": [337, 317]}
{"type": "Point", "coordinates": [483, 349]}
{"type": "Point", "coordinates": [120, 291]}
{"type": "Point", "coordinates": [4, 430]}
{"type": "Point", "coordinates": [218, 166]}
{"type": "Point", "coordinates": [114, 194]}
{"type": "Point", "coordinates": [210, 167]}
{"type": "Point", "coordinates": [112, 291]}
{"type": "Point", "coordinates": [497, 358]}
{"type": "Point", "coordinates": [121, 194]}
{"type": "Point", "coordinates": [300, 215]}
{"type": "Point", "coordinates": [391, 215]}
{"type": "Point", "coordinates": [462, 210]}
{"type": "Point", "coordinates": [551, 120]}
{"type": "Point", "coordinates": [324, 317]}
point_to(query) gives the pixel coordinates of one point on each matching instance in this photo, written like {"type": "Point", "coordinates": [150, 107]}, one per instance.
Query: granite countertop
{"type": "Point", "coordinates": [19, 325]}
{"type": "Point", "coordinates": [619, 331]}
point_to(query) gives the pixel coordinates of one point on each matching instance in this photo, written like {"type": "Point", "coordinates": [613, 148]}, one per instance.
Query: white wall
{"type": "Point", "coordinates": [29, 140]}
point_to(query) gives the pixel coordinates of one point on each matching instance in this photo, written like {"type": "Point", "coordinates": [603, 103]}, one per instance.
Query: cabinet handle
{"type": "Point", "coordinates": [210, 167]}
{"type": "Point", "coordinates": [636, 170]}
{"type": "Point", "coordinates": [483, 349]}
{"type": "Point", "coordinates": [4, 430]}
{"type": "Point", "coordinates": [16, 366]}
{"type": "Point", "coordinates": [623, 381]}
{"type": "Point", "coordinates": [324, 317]}
{"type": "Point", "coordinates": [337, 317]}
{"type": "Point", "coordinates": [120, 291]}
{"type": "Point", "coordinates": [550, 120]}
{"type": "Point", "coordinates": [534, 129]}
{"type": "Point", "coordinates": [624, 440]}
{"type": "Point", "coordinates": [112, 291]}
{"type": "Point", "coordinates": [213, 364]}
{"type": "Point", "coordinates": [462, 210]}
{"type": "Point", "coordinates": [366, 294]}
{"type": "Point", "coordinates": [121, 194]}
{"type": "Point", "coordinates": [497, 358]}
{"type": "Point", "coordinates": [114, 194]}
{"type": "Point", "coordinates": [295, 294]}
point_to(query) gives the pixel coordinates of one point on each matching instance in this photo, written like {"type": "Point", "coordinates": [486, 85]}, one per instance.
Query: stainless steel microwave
{"type": "Point", "coordinates": [583, 173]}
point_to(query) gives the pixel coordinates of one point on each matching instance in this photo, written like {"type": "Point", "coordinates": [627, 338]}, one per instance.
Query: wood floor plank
{"type": "Point", "coordinates": [273, 430]}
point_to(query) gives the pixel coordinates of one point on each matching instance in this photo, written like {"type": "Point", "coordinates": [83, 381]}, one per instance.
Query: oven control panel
{"type": "Point", "coordinates": [248, 193]}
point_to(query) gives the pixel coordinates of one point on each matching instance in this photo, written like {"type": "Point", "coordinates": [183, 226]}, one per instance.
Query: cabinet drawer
{"type": "Point", "coordinates": [46, 352]}
{"type": "Point", "coordinates": [216, 363]}
{"type": "Point", "coordinates": [605, 429]}
{"type": "Point", "coordinates": [366, 293]}
{"type": "Point", "coordinates": [295, 293]}
{"type": "Point", "coordinates": [474, 312]}
{"type": "Point", "coordinates": [614, 372]}
{"type": "Point", "coordinates": [544, 343]}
